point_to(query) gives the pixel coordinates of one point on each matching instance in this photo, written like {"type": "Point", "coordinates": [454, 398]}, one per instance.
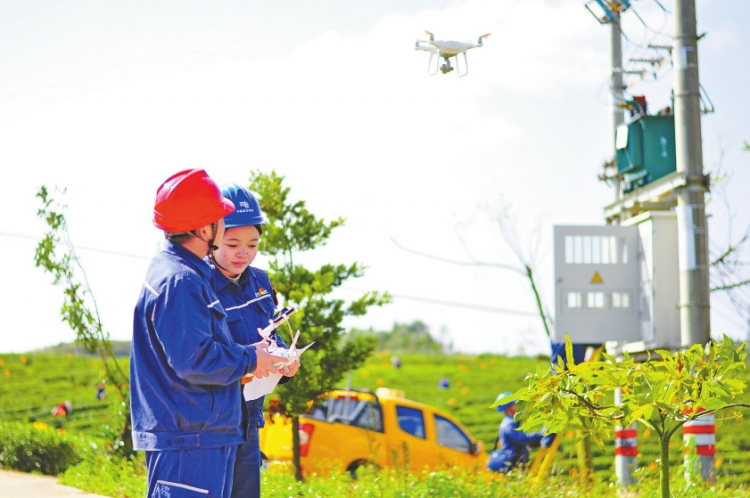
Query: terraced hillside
{"type": "Point", "coordinates": [32, 385]}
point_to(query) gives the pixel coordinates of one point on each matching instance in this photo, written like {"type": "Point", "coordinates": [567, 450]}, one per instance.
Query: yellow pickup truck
{"type": "Point", "coordinates": [347, 429]}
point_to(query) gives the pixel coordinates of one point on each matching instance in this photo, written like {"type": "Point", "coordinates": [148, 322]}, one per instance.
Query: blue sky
{"type": "Point", "coordinates": [109, 99]}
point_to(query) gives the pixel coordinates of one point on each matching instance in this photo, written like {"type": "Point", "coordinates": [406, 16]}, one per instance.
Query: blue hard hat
{"type": "Point", "coordinates": [247, 209]}
{"type": "Point", "coordinates": [504, 406]}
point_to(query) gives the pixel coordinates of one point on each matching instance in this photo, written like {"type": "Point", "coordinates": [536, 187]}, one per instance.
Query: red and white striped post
{"type": "Point", "coordinates": [626, 452]}
{"type": "Point", "coordinates": [626, 449]}
{"type": "Point", "coordinates": [701, 433]}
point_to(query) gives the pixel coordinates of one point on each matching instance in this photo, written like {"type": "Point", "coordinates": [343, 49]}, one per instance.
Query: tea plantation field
{"type": "Point", "coordinates": [475, 381]}
{"type": "Point", "coordinates": [32, 385]}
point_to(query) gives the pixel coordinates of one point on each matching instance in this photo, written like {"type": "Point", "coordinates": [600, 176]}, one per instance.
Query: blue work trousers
{"type": "Point", "coordinates": [192, 473]}
{"type": "Point", "coordinates": [247, 466]}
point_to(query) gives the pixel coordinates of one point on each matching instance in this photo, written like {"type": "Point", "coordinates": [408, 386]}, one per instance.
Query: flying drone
{"type": "Point", "coordinates": [446, 50]}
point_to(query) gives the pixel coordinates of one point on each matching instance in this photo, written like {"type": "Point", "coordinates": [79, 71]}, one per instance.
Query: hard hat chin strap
{"type": "Point", "coordinates": [214, 232]}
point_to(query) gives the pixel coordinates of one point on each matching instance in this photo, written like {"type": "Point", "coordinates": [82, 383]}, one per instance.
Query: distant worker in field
{"type": "Point", "coordinates": [245, 292]}
{"type": "Point", "coordinates": [63, 409]}
{"type": "Point", "coordinates": [514, 444]}
{"type": "Point", "coordinates": [101, 391]}
{"type": "Point", "coordinates": [185, 368]}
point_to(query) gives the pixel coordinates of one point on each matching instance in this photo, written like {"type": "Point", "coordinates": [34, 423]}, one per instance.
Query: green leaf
{"type": "Point", "coordinates": [644, 411]}
{"type": "Point", "coordinates": [712, 404]}
{"type": "Point", "coordinates": [569, 352]}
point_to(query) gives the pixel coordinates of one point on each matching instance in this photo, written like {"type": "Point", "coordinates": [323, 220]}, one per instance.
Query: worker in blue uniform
{"type": "Point", "coordinates": [246, 294]}
{"type": "Point", "coordinates": [185, 368]}
{"type": "Point", "coordinates": [514, 444]}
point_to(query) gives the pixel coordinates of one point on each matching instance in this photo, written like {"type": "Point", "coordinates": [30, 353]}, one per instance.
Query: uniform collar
{"type": "Point", "coordinates": [221, 281]}
{"type": "Point", "coordinates": [191, 259]}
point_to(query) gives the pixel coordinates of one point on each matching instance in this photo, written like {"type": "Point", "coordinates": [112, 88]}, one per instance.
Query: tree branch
{"type": "Point", "coordinates": [595, 409]}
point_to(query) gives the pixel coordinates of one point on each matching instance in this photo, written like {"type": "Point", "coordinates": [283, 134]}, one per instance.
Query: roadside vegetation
{"type": "Point", "coordinates": [31, 385]}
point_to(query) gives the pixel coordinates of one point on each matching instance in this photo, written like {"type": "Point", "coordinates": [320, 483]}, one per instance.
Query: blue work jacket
{"type": "Point", "coordinates": [249, 304]}
{"type": "Point", "coordinates": [184, 366]}
{"type": "Point", "coordinates": [514, 447]}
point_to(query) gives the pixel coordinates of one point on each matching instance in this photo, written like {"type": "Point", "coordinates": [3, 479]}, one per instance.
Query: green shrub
{"type": "Point", "coordinates": [109, 475]}
{"type": "Point", "coordinates": [38, 448]}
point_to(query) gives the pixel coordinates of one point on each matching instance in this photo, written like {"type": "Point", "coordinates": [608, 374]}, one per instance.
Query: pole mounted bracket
{"type": "Point", "coordinates": [608, 10]}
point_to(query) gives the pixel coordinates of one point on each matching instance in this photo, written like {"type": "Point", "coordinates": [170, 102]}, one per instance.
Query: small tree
{"type": "Point", "coordinates": [661, 394]}
{"type": "Point", "coordinates": [292, 230]}
{"type": "Point", "coordinates": [66, 269]}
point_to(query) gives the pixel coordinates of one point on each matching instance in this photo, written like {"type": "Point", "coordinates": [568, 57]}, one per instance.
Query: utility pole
{"type": "Point", "coordinates": [616, 93]}
{"type": "Point", "coordinates": [695, 326]}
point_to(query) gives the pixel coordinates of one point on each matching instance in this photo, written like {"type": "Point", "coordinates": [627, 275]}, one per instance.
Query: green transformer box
{"type": "Point", "coordinates": [645, 149]}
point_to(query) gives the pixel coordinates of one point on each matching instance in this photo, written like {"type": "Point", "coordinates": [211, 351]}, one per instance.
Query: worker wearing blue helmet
{"type": "Point", "coordinates": [246, 294]}
{"type": "Point", "coordinates": [514, 444]}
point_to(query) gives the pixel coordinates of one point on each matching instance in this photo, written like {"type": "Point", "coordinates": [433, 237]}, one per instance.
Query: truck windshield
{"type": "Point", "coordinates": [363, 413]}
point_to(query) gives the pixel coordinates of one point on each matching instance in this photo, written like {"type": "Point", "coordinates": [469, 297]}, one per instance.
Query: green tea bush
{"type": "Point", "coordinates": [38, 448]}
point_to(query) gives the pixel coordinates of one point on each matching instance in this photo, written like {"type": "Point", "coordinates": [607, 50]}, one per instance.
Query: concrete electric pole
{"type": "Point", "coordinates": [616, 91]}
{"type": "Point", "coordinates": [691, 209]}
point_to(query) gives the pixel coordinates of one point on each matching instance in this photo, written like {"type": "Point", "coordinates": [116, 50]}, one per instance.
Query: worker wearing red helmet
{"type": "Point", "coordinates": [185, 369]}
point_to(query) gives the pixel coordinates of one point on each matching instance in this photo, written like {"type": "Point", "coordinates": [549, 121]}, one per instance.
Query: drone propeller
{"type": "Point", "coordinates": [432, 37]}
{"type": "Point", "coordinates": [483, 37]}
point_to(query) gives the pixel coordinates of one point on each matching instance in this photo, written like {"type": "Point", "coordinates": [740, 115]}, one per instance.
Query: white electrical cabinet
{"type": "Point", "coordinates": [619, 284]}
{"type": "Point", "coordinates": [660, 281]}
{"type": "Point", "coordinates": [596, 284]}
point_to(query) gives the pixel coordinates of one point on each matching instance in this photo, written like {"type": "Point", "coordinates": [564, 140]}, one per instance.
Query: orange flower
{"type": "Point", "coordinates": [380, 382]}
{"type": "Point", "coordinates": [464, 390]}
{"type": "Point", "coordinates": [451, 402]}
{"type": "Point", "coordinates": [7, 372]}
{"type": "Point", "coordinates": [23, 359]}
{"type": "Point", "coordinates": [365, 373]}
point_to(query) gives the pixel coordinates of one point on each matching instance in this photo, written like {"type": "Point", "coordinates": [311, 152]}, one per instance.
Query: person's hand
{"type": "Point", "coordinates": [265, 360]}
{"type": "Point", "coordinates": [291, 369]}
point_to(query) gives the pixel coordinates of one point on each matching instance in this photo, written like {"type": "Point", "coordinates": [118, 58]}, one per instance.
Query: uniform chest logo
{"type": "Point", "coordinates": [261, 292]}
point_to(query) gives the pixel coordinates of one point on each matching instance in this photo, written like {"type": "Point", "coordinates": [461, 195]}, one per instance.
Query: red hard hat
{"type": "Point", "coordinates": [188, 200]}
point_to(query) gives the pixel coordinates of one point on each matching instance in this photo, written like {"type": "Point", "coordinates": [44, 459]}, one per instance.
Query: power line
{"type": "Point", "coordinates": [478, 307]}
{"type": "Point", "coordinates": [86, 248]}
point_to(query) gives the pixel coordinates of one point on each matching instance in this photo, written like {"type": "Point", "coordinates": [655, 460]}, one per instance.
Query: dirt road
{"type": "Point", "coordinates": [22, 485]}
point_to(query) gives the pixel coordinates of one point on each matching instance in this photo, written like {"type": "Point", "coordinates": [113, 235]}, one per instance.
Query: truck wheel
{"type": "Point", "coordinates": [358, 464]}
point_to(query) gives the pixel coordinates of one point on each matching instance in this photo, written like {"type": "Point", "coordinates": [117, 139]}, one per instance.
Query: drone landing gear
{"type": "Point", "coordinates": [458, 66]}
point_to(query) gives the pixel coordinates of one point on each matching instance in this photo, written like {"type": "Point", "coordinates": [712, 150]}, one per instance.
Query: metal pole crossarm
{"type": "Point", "coordinates": [650, 61]}
{"type": "Point", "coordinates": [647, 193]}
{"type": "Point", "coordinates": [662, 47]}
